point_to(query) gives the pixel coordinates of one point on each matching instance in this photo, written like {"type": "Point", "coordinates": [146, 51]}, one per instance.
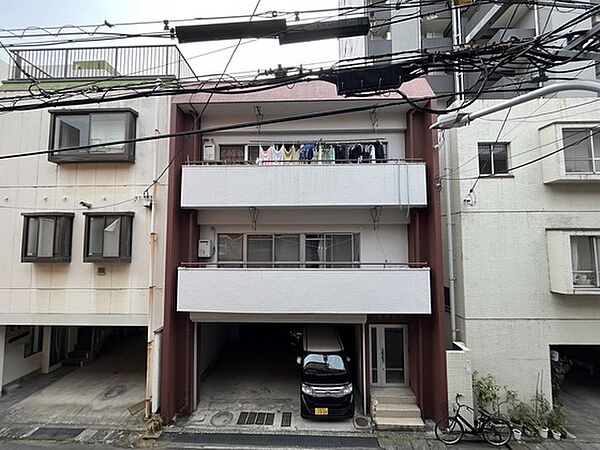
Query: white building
{"type": "Point", "coordinates": [526, 241]}
{"type": "Point", "coordinates": [82, 231]}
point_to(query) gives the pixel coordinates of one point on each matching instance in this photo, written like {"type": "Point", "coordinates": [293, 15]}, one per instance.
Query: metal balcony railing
{"type": "Point", "coordinates": [140, 61]}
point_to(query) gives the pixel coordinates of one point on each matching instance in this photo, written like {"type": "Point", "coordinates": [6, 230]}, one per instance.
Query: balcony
{"type": "Point", "coordinates": [145, 61]}
{"type": "Point", "coordinates": [373, 289]}
{"type": "Point", "coordinates": [399, 184]}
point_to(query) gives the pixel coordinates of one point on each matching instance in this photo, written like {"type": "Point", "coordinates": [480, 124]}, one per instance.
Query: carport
{"type": "Point", "coordinates": [108, 390]}
{"type": "Point", "coordinates": [580, 391]}
{"type": "Point", "coordinates": [247, 377]}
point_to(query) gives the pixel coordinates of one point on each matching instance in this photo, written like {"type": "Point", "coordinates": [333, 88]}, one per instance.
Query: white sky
{"type": "Point", "coordinates": [263, 54]}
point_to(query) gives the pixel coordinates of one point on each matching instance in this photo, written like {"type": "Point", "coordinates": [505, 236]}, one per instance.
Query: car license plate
{"type": "Point", "coordinates": [321, 411]}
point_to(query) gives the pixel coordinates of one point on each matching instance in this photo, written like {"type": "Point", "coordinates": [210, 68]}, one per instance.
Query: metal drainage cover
{"type": "Point", "coordinates": [58, 434]}
{"type": "Point", "coordinates": [221, 419]}
{"type": "Point", "coordinates": [115, 391]}
{"type": "Point", "coordinates": [255, 418]}
{"type": "Point", "coordinates": [361, 422]}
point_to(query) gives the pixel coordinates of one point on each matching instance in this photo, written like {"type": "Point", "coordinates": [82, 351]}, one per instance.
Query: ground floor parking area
{"type": "Point", "coordinates": [107, 390]}
{"type": "Point", "coordinates": [248, 378]}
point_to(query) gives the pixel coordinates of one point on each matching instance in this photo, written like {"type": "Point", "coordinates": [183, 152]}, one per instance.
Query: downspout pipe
{"type": "Point", "coordinates": [450, 243]}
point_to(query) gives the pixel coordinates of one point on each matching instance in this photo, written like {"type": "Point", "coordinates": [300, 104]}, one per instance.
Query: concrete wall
{"type": "Point", "coordinates": [73, 293]}
{"type": "Point", "coordinates": [15, 365]}
{"type": "Point", "coordinates": [460, 376]}
{"type": "Point", "coordinates": [507, 314]}
{"type": "Point", "coordinates": [213, 340]}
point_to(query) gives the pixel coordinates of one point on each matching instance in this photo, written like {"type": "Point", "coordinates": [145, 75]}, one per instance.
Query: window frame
{"type": "Point", "coordinates": [595, 153]}
{"type": "Point", "coordinates": [125, 237]}
{"type": "Point", "coordinates": [490, 146]}
{"type": "Point", "coordinates": [35, 344]}
{"type": "Point", "coordinates": [596, 261]}
{"type": "Point", "coordinates": [128, 154]}
{"type": "Point", "coordinates": [63, 238]}
{"type": "Point", "coordinates": [244, 262]}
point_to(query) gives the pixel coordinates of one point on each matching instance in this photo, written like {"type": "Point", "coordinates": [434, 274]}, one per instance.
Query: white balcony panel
{"type": "Point", "coordinates": [304, 291]}
{"type": "Point", "coordinates": [304, 185]}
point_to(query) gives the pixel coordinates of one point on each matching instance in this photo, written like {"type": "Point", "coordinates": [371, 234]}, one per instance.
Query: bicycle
{"type": "Point", "coordinates": [495, 430]}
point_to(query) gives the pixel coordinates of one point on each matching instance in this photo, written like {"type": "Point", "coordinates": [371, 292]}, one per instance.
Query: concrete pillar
{"type": "Point", "coordinates": [2, 349]}
{"type": "Point", "coordinates": [46, 349]}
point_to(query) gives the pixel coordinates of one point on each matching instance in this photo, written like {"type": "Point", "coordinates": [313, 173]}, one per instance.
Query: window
{"type": "Point", "coordinates": [585, 257]}
{"type": "Point", "coordinates": [108, 237]}
{"type": "Point", "coordinates": [582, 150]}
{"type": "Point", "coordinates": [288, 250]}
{"type": "Point", "coordinates": [493, 158]}
{"type": "Point", "coordinates": [35, 341]}
{"type": "Point", "coordinates": [332, 248]}
{"type": "Point", "coordinates": [82, 127]}
{"type": "Point", "coordinates": [47, 237]}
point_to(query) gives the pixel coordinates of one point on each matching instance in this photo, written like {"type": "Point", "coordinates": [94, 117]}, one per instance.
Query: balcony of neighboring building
{"type": "Point", "coordinates": [288, 288]}
{"type": "Point", "coordinates": [127, 62]}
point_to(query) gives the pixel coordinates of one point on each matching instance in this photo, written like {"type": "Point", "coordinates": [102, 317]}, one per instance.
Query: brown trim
{"type": "Point", "coordinates": [425, 244]}
{"type": "Point", "coordinates": [178, 334]}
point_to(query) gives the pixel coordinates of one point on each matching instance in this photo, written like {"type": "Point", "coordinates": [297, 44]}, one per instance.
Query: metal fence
{"type": "Point", "coordinates": [100, 62]}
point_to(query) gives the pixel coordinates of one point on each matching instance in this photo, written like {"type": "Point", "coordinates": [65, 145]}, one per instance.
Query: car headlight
{"type": "Point", "coordinates": [308, 390]}
{"type": "Point", "coordinates": [347, 389]}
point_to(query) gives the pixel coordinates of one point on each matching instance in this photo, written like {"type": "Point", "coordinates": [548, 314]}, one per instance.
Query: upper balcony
{"type": "Point", "coordinates": [296, 184]}
{"type": "Point", "coordinates": [371, 289]}
{"type": "Point", "coordinates": [57, 64]}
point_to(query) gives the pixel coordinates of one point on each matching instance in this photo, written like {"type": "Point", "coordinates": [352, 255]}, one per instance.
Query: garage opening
{"type": "Point", "coordinates": [576, 385]}
{"type": "Point", "coordinates": [248, 376]}
{"type": "Point", "coordinates": [79, 375]}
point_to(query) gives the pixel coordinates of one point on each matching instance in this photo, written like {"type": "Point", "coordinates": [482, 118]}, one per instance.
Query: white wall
{"type": "Point", "coordinates": [15, 365]}
{"type": "Point", "coordinates": [62, 294]}
{"type": "Point", "coordinates": [508, 316]}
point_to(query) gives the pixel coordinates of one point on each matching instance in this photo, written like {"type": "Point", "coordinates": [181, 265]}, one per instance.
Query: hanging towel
{"type": "Point", "coordinates": [288, 154]}
{"type": "Point", "coordinates": [295, 153]}
{"type": "Point", "coordinates": [277, 154]}
{"type": "Point", "coordinates": [264, 155]}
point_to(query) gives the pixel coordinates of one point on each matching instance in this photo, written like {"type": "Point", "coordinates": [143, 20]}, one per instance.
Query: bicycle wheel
{"type": "Point", "coordinates": [497, 431]}
{"type": "Point", "coordinates": [449, 430]}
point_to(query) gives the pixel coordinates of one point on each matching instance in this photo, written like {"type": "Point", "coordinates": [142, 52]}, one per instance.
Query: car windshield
{"type": "Point", "coordinates": [322, 363]}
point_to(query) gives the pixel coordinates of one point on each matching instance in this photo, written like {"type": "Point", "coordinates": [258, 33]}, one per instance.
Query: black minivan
{"type": "Point", "coordinates": [327, 390]}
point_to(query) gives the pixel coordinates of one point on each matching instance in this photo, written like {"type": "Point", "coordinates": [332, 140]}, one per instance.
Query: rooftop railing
{"type": "Point", "coordinates": [141, 61]}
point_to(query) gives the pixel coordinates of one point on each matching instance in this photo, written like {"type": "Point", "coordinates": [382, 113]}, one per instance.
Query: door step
{"type": "Point", "coordinates": [399, 424]}
{"type": "Point", "coordinates": [402, 411]}
{"type": "Point", "coordinates": [396, 409]}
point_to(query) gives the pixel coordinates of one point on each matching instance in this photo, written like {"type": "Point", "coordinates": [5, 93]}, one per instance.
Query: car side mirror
{"type": "Point", "coordinates": [299, 360]}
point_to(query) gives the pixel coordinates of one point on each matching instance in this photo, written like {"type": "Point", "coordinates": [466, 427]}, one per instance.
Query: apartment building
{"type": "Point", "coordinates": [437, 27]}
{"type": "Point", "coordinates": [526, 240]}
{"type": "Point", "coordinates": [83, 230]}
{"type": "Point", "coordinates": [276, 226]}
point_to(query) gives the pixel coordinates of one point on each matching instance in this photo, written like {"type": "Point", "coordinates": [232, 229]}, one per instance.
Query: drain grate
{"type": "Point", "coordinates": [286, 419]}
{"type": "Point", "coordinates": [57, 434]}
{"type": "Point", "coordinates": [256, 418]}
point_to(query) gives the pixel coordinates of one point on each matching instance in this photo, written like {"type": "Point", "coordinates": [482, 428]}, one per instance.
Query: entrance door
{"type": "Point", "coordinates": [389, 355]}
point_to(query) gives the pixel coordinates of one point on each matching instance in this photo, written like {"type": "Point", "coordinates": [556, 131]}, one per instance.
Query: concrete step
{"type": "Point", "coordinates": [384, 410]}
{"type": "Point", "coordinates": [399, 424]}
{"type": "Point", "coordinates": [395, 399]}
